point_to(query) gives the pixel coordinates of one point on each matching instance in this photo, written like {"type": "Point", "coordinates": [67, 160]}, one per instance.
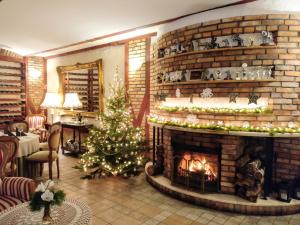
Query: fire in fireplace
{"type": "Point", "coordinates": [196, 167]}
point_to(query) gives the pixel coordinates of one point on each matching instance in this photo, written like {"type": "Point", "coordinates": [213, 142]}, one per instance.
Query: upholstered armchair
{"type": "Point", "coordinates": [20, 124]}
{"type": "Point", "coordinates": [8, 151]}
{"type": "Point", "coordinates": [36, 125]}
{"type": "Point", "coordinates": [15, 190]}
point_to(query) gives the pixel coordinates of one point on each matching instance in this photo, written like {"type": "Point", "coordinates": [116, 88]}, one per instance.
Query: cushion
{"type": "Point", "coordinates": [43, 146]}
{"type": "Point", "coordinates": [8, 201]}
{"type": "Point", "coordinates": [8, 171]}
{"type": "Point", "coordinates": [42, 156]}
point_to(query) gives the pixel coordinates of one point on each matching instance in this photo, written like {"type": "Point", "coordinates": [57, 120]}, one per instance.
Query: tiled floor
{"type": "Point", "coordinates": [133, 201]}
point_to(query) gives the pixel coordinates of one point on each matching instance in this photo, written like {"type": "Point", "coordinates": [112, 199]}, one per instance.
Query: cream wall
{"type": "Point", "coordinates": [112, 56]}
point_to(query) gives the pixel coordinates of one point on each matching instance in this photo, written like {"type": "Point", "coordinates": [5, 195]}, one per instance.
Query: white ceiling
{"type": "Point", "coordinates": [29, 26]}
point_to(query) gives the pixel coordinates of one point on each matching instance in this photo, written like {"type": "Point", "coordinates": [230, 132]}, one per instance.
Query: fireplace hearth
{"type": "Point", "coordinates": [196, 167]}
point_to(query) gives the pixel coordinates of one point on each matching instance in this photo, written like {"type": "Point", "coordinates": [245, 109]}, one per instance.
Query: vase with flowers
{"type": "Point", "coordinates": [44, 196]}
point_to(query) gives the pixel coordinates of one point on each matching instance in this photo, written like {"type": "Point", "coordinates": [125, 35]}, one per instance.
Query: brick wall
{"type": "Point", "coordinates": [284, 91]}
{"type": "Point", "coordinates": [138, 81]}
{"type": "Point", "coordinates": [36, 84]}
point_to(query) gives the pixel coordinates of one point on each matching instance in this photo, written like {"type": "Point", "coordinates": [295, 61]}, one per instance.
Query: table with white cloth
{"type": "Point", "coordinates": [70, 212]}
{"type": "Point", "coordinates": [27, 145]}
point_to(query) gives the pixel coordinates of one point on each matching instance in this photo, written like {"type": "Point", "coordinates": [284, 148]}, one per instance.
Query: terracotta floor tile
{"type": "Point", "coordinates": [133, 201]}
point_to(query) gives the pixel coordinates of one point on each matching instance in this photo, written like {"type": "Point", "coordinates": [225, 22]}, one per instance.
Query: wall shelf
{"type": "Point", "coordinates": [215, 50]}
{"type": "Point", "coordinates": [215, 82]}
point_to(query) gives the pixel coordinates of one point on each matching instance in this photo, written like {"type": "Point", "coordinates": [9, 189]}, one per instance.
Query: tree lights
{"type": "Point", "coordinates": [116, 147]}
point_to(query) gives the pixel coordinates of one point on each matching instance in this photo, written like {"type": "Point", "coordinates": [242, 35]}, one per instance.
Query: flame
{"type": "Point", "coordinates": [197, 164]}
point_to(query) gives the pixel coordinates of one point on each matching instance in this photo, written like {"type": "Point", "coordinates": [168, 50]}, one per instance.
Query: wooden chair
{"type": "Point", "coordinates": [50, 155]}
{"type": "Point", "coordinates": [53, 127]}
{"type": "Point", "coordinates": [36, 123]}
{"type": "Point", "coordinates": [8, 151]}
{"type": "Point", "coordinates": [20, 125]}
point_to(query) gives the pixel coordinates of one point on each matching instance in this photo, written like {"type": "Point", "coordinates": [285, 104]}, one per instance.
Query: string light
{"type": "Point", "coordinates": [227, 127]}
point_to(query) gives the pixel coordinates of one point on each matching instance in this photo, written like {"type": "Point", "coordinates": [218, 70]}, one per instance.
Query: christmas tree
{"type": "Point", "coordinates": [116, 147]}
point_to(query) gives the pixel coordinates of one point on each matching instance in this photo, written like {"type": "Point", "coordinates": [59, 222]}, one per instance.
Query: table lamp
{"type": "Point", "coordinates": [72, 101]}
{"type": "Point", "coordinates": [51, 101]}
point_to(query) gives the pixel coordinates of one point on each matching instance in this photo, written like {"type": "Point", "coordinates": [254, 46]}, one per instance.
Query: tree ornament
{"type": "Point", "coordinates": [178, 93]}
{"type": "Point", "coordinates": [246, 124]}
{"type": "Point", "coordinates": [207, 93]}
{"type": "Point", "coordinates": [291, 124]}
{"type": "Point", "coordinates": [253, 97]}
{"type": "Point", "coordinates": [232, 97]}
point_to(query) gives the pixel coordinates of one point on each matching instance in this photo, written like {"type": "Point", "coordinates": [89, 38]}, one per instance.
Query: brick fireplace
{"type": "Point", "coordinates": [274, 157]}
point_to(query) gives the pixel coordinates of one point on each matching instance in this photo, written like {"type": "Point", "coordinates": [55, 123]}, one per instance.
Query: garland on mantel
{"type": "Point", "coordinates": [212, 126]}
{"type": "Point", "coordinates": [196, 109]}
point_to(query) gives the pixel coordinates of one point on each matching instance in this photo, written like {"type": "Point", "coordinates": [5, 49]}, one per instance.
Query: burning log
{"type": "Point", "coordinates": [250, 176]}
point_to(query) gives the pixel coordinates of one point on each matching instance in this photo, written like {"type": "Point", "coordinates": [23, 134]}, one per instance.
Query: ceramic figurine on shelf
{"type": "Point", "coordinates": [173, 50]}
{"type": "Point", "coordinates": [250, 41]}
{"type": "Point", "coordinates": [225, 43]}
{"type": "Point", "coordinates": [178, 93]}
{"type": "Point", "coordinates": [217, 75]}
{"type": "Point", "coordinates": [187, 75]}
{"type": "Point", "coordinates": [227, 75]}
{"type": "Point", "coordinates": [167, 51]}
{"type": "Point", "coordinates": [188, 46]}
{"type": "Point", "coordinates": [172, 76]}
{"type": "Point", "coordinates": [269, 73]}
{"type": "Point", "coordinates": [195, 45]}
{"type": "Point", "coordinates": [181, 48]}
{"type": "Point", "coordinates": [244, 73]}
{"type": "Point", "coordinates": [250, 75]}
{"type": "Point", "coordinates": [166, 77]}
{"type": "Point", "coordinates": [203, 75]}
{"type": "Point", "coordinates": [212, 44]}
{"type": "Point", "coordinates": [267, 38]}
{"type": "Point", "coordinates": [178, 75]}
{"type": "Point", "coordinates": [238, 39]}
{"type": "Point", "coordinates": [159, 78]}
{"type": "Point", "coordinates": [161, 53]}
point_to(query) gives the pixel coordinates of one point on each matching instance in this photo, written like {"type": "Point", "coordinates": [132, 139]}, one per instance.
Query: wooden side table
{"type": "Point", "coordinates": [79, 127]}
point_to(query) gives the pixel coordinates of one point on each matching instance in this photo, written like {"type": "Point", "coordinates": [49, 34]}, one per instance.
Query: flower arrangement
{"type": "Point", "coordinates": [45, 195]}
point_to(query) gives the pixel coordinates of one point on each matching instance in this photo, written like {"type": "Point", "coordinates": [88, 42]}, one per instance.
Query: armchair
{"type": "Point", "coordinates": [15, 190]}
{"type": "Point", "coordinates": [36, 125]}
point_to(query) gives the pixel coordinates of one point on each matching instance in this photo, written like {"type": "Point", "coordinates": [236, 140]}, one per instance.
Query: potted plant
{"type": "Point", "coordinates": [44, 196]}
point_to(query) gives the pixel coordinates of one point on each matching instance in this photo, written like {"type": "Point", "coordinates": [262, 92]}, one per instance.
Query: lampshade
{"type": "Point", "coordinates": [51, 100]}
{"type": "Point", "coordinates": [72, 101]}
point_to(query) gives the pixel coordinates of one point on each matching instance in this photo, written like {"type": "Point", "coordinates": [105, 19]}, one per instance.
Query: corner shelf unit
{"type": "Point", "coordinates": [216, 50]}
{"type": "Point", "coordinates": [12, 90]}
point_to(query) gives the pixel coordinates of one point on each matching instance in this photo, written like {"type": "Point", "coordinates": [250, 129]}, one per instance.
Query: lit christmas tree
{"type": "Point", "coordinates": [116, 147]}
